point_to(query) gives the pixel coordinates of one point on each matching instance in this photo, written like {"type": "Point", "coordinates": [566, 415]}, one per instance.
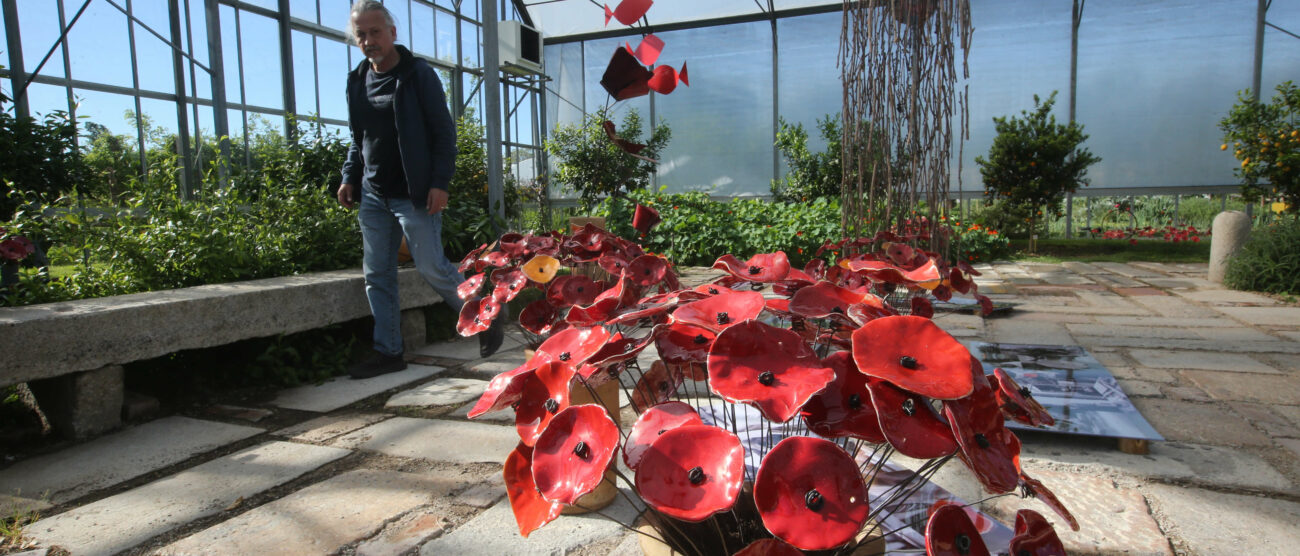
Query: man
{"type": "Point", "coordinates": [401, 161]}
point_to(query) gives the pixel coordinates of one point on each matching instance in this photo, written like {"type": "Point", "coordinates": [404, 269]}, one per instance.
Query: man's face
{"type": "Point", "coordinates": [374, 36]}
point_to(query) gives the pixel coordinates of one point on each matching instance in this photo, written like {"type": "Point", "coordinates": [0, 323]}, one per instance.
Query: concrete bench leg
{"type": "Point", "coordinates": [414, 333]}
{"type": "Point", "coordinates": [81, 405]}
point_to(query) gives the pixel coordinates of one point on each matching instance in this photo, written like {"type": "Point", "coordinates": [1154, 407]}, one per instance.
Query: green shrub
{"type": "Point", "coordinates": [1266, 139]}
{"type": "Point", "coordinates": [812, 175]}
{"type": "Point", "coordinates": [587, 162]}
{"type": "Point", "coordinates": [1269, 261]}
{"type": "Point", "coordinates": [977, 243]}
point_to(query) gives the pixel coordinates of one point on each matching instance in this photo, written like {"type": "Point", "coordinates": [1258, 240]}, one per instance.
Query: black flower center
{"type": "Point", "coordinates": [723, 317]}
{"type": "Point", "coordinates": [696, 475]}
{"type": "Point", "coordinates": [1025, 393]}
{"type": "Point", "coordinates": [1024, 552]}
{"type": "Point", "coordinates": [700, 339]}
{"type": "Point", "coordinates": [663, 386]}
{"type": "Point", "coordinates": [613, 372]}
{"type": "Point", "coordinates": [565, 356]}
{"type": "Point", "coordinates": [982, 440]}
{"type": "Point", "coordinates": [581, 450]}
{"type": "Point", "coordinates": [962, 543]}
{"type": "Point", "coordinates": [755, 270]}
{"type": "Point", "coordinates": [814, 500]}
{"type": "Point", "coordinates": [909, 407]}
{"type": "Point", "coordinates": [855, 401]}
{"type": "Point", "coordinates": [766, 378]}
{"type": "Point", "coordinates": [837, 310]}
{"type": "Point", "coordinates": [552, 406]}
{"type": "Point", "coordinates": [713, 291]}
{"type": "Point", "coordinates": [907, 361]}
{"type": "Point", "coordinates": [580, 288]}
{"type": "Point", "coordinates": [476, 321]}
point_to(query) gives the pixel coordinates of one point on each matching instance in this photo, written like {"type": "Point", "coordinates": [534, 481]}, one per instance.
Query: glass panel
{"type": "Point", "coordinates": [808, 81]}
{"type": "Point", "coordinates": [38, 24]}
{"type": "Point", "coordinates": [470, 9]}
{"type": "Point", "coordinates": [722, 123]}
{"type": "Point", "coordinates": [445, 31]}
{"type": "Point", "coordinates": [46, 99]}
{"type": "Point", "coordinates": [470, 44]}
{"type": "Point", "coordinates": [304, 9]}
{"type": "Point", "coordinates": [107, 109]}
{"type": "Point", "coordinates": [160, 121]}
{"type": "Point", "coordinates": [333, 64]}
{"type": "Point", "coordinates": [422, 38]}
{"type": "Point", "coordinates": [97, 44]}
{"type": "Point", "coordinates": [304, 74]}
{"type": "Point", "coordinates": [564, 95]}
{"type": "Point", "coordinates": [1281, 57]}
{"type": "Point", "coordinates": [154, 57]}
{"type": "Point", "coordinates": [401, 18]}
{"type": "Point", "coordinates": [230, 54]}
{"type": "Point", "coordinates": [263, 81]}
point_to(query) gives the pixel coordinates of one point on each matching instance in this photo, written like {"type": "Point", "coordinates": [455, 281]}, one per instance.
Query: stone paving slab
{"type": "Point", "coordinates": [466, 348]}
{"type": "Point", "coordinates": [1274, 389]}
{"type": "Point", "coordinates": [1039, 307]}
{"type": "Point", "coordinates": [1141, 373]}
{"type": "Point", "coordinates": [434, 439]}
{"type": "Point", "coordinates": [1208, 522]}
{"type": "Point", "coordinates": [1266, 419]}
{"type": "Point", "coordinates": [1180, 322]}
{"type": "Point", "coordinates": [321, 518]}
{"type": "Point", "coordinates": [1226, 298]}
{"type": "Point", "coordinates": [1169, 306]}
{"type": "Point", "coordinates": [1227, 349]}
{"type": "Point", "coordinates": [124, 520]}
{"type": "Point", "coordinates": [1291, 412]}
{"type": "Point", "coordinates": [1198, 423]}
{"type": "Point", "coordinates": [495, 532]}
{"type": "Point", "coordinates": [1124, 269]}
{"type": "Point", "coordinates": [84, 468]}
{"type": "Point", "coordinates": [444, 391]}
{"type": "Point", "coordinates": [504, 416]}
{"type": "Point", "coordinates": [14, 506]}
{"type": "Point", "coordinates": [327, 427]}
{"type": "Point", "coordinates": [1207, 361]}
{"type": "Point", "coordinates": [343, 391]}
{"type": "Point", "coordinates": [1167, 461]}
{"type": "Point", "coordinates": [1265, 316]}
{"type": "Point", "coordinates": [1041, 333]}
{"type": "Point", "coordinates": [404, 535]}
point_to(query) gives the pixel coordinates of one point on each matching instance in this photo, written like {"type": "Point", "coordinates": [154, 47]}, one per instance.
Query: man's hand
{"type": "Point", "coordinates": [437, 200]}
{"type": "Point", "coordinates": [345, 195]}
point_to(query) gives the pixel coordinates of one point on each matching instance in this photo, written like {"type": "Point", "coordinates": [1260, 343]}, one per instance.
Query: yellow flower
{"type": "Point", "coordinates": [1223, 147]}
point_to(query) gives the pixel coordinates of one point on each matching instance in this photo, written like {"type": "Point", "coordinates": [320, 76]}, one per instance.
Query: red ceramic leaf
{"type": "Point", "coordinates": [653, 422]}
{"type": "Point", "coordinates": [545, 393]}
{"type": "Point", "coordinates": [914, 354]}
{"type": "Point", "coordinates": [769, 367]}
{"type": "Point", "coordinates": [909, 423]}
{"type": "Point", "coordinates": [508, 283]}
{"type": "Point", "coordinates": [1038, 490]}
{"type": "Point", "coordinates": [951, 533]}
{"type": "Point", "coordinates": [810, 493]}
{"type": "Point", "coordinates": [624, 145]}
{"type": "Point", "coordinates": [769, 547]}
{"type": "Point", "coordinates": [625, 77]}
{"type": "Point", "coordinates": [721, 310]}
{"type": "Point", "coordinates": [664, 81]}
{"type": "Point", "coordinates": [648, 51]}
{"type": "Point", "coordinates": [629, 11]}
{"type": "Point", "coordinates": [843, 408]}
{"type": "Point", "coordinates": [467, 263]}
{"type": "Point", "coordinates": [987, 447]}
{"type": "Point", "coordinates": [539, 317]}
{"type": "Point", "coordinates": [692, 472]}
{"type": "Point", "coordinates": [530, 509]}
{"type": "Point", "coordinates": [469, 288]}
{"type": "Point", "coordinates": [470, 322]}
{"type": "Point", "coordinates": [571, 454]}
{"type": "Point", "coordinates": [921, 307]}
{"type": "Point", "coordinates": [763, 267]}
{"type": "Point", "coordinates": [573, 289]}
{"type": "Point", "coordinates": [1018, 401]}
{"type": "Point", "coordinates": [656, 385]}
{"type": "Point", "coordinates": [1035, 536]}
{"type": "Point", "coordinates": [681, 343]}
{"type": "Point", "coordinates": [574, 346]}
{"type": "Point", "coordinates": [645, 217]}
{"type": "Point", "coordinates": [505, 389]}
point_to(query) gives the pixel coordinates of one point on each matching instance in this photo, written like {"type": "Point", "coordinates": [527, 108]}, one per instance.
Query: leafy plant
{"type": "Point", "coordinates": [588, 163]}
{"type": "Point", "coordinates": [812, 175]}
{"type": "Point", "coordinates": [1035, 161]}
{"type": "Point", "coordinates": [40, 157]}
{"type": "Point", "coordinates": [1269, 261]}
{"type": "Point", "coordinates": [1266, 139]}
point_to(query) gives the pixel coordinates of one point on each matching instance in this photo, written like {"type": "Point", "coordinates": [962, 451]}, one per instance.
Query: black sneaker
{"type": "Point", "coordinates": [377, 364]}
{"type": "Point", "coordinates": [490, 341]}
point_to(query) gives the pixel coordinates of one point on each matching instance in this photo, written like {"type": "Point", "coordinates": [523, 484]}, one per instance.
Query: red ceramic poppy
{"type": "Point", "coordinates": [1037, 489]}
{"type": "Point", "coordinates": [843, 408]}
{"type": "Point", "coordinates": [863, 313]}
{"type": "Point", "coordinates": [681, 343]}
{"type": "Point", "coordinates": [471, 321]}
{"type": "Point", "coordinates": [545, 393]}
{"type": "Point", "coordinates": [722, 310]}
{"type": "Point", "coordinates": [810, 493]}
{"type": "Point", "coordinates": [539, 317]}
{"type": "Point", "coordinates": [488, 309]}
{"type": "Point", "coordinates": [909, 423]}
{"type": "Point", "coordinates": [600, 309]}
{"type": "Point", "coordinates": [570, 457]}
{"type": "Point", "coordinates": [617, 349]}
{"type": "Point", "coordinates": [769, 547]}
{"type": "Point", "coordinates": [657, 385]}
{"type": "Point", "coordinates": [541, 245]}
{"type": "Point", "coordinates": [589, 243]}
{"type": "Point", "coordinates": [914, 354]}
{"type": "Point", "coordinates": [654, 307]}
{"type": "Point", "coordinates": [899, 253]}
{"type": "Point", "coordinates": [1035, 536]}
{"type": "Point", "coordinates": [574, 346]}
{"type": "Point", "coordinates": [573, 289]}
{"type": "Point", "coordinates": [624, 145]}
{"type": "Point", "coordinates": [496, 258]}
{"type": "Point", "coordinates": [921, 307]}
{"type": "Point", "coordinates": [987, 447]}
{"type": "Point", "coordinates": [692, 472]}
{"type": "Point", "coordinates": [647, 270]}
{"type": "Point", "coordinates": [1018, 402]}
{"type": "Point", "coordinates": [645, 217]}
{"type": "Point", "coordinates": [763, 267]}
{"type": "Point", "coordinates": [508, 283]}
{"type": "Point", "coordinates": [960, 281]}
{"type": "Point", "coordinates": [951, 533]}
{"type": "Point", "coordinates": [826, 300]}
{"type": "Point", "coordinates": [469, 288]}
{"type": "Point", "coordinates": [653, 422]}
{"type": "Point", "coordinates": [614, 263]}
{"type": "Point", "coordinates": [512, 244]}
{"type": "Point", "coordinates": [468, 263]}
{"type": "Point", "coordinates": [769, 367]}
{"type": "Point", "coordinates": [530, 509]}
{"type": "Point", "coordinates": [925, 276]}
{"type": "Point", "coordinates": [505, 389]}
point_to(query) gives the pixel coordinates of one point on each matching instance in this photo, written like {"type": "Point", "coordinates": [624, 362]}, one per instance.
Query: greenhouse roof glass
{"type": "Point", "coordinates": [558, 19]}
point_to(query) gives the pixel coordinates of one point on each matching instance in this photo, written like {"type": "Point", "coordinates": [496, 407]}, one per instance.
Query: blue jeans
{"type": "Point", "coordinates": [383, 223]}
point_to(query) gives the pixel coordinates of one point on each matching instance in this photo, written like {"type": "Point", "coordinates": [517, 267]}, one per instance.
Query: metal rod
{"type": "Point", "coordinates": [1261, 11]}
{"type": "Point", "coordinates": [182, 117]}
{"type": "Point", "coordinates": [13, 36]}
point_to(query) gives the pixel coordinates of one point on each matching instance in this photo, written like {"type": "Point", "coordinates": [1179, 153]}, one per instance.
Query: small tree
{"type": "Point", "coordinates": [812, 175]}
{"type": "Point", "coordinates": [590, 164]}
{"type": "Point", "coordinates": [1035, 161]}
{"type": "Point", "coordinates": [1266, 139]}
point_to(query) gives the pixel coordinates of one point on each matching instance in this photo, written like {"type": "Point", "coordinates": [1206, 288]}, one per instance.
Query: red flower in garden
{"type": "Point", "coordinates": [692, 472]}
{"type": "Point", "coordinates": [471, 260]}
{"type": "Point", "coordinates": [1035, 488]}
{"type": "Point", "coordinates": [647, 270]}
{"type": "Point", "coordinates": [471, 320]}
{"type": "Point", "coordinates": [545, 393]}
{"type": "Point", "coordinates": [657, 384]}
{"type": "Point", "coordinates": [539, 317]}
{"type": "Point", "coordinates": [653, 422]}
{"type": "Point", "coordinates": [844, 407]}
{"type": "Point", "coordinates": [644, 218]}
{"type": "Point", "coordinates": [573, 346]}
{"type": "Point", "coordinates": [909, 423]}
{"type": "Point", "coordinates": [721, 310]}
{"type": "Point", "coordinates": [764, 267]}
{"type": "Point", "coordinates": [508, 283]}
{"type": "Point", "coordinates": [648, 308]}
{"type": "Point", "coordinates": [1035, 536]}
{"type": "Point", "coordinates": [827, 300]}
{"type": "Point", "coordinates": [571, 454]}
{"type": "Point", "coordinates": [810, 493]}
{"type": "Point", "coordinates": [512, 244]}
{"type": "Point", "coordinates": [470, 286]}
{"type": "Point", "coordinates": [681, 343]}
{"type": "Point", "coordinates": [1018, 402]}
{"type": "Point", "coordinates": [530, 509]}
{"type": "Point", "coordinates": [573, 289]}
{"type": "Point", "coordinates": [769, 367]}
{"type": "Point", "coordinates": [505, 389]}
{"type": "Point", "coordinates": [951, 533]}
{"type": "Point", "coordinates": [914, 354]}
{"type": "Point", "coordinates": [987, 446]}
{"type": "Point", "coordinates": [769, 547]}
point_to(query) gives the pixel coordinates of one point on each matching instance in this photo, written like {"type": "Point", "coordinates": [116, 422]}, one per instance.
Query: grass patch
{"type": "Point", "coordinates": [1111, 250]}
{"type": "Point", "coordinates": [13, 518]}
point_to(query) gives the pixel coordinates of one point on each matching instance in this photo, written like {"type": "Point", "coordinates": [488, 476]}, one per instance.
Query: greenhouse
{"type": "Point", "coordinates": [609, 277]}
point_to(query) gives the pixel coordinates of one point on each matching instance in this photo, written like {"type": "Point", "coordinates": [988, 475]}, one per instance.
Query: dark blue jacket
{"type": "Point", "coordinates": [426, 134]}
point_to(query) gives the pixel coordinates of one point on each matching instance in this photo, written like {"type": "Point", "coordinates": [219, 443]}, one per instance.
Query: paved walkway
{"type": "Point", "coordinates": [391, 466]}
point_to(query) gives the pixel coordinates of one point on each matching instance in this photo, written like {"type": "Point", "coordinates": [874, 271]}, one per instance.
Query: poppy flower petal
{"type": "Point", "coordinates": [647, 270]}
{"type": "Point", "coordinates": [809, 493]}
{"type": "Point", "coordinates": [989, 449]}
{"type": "Point", "coordinates": [921, 307]}
{"type": "Point", "coordinates": [573, 289]}
{"type": "Point", "coordinates": [471, 321]}
{"type": "Point", "coordinates": [645, 218]}
{"type": "Point", "coordinates": [949, 532]}
{"type": "Point", "coordinates": [541, 268]}
{"type": "Point", "coordinates": [545, 393]}
{"type": "Point", "coordinates": [469, 288]}
{"type": "Point", "coordinates": [1018, 401]}
{"type": "Point", "coordinates": [692, 472]}
{"type": "Point", "coordinates": [646, 309]}
{"type": "Point", "coordinates": [909, 423]}
{"type": "Point", "coordinates": [914, 354]}
{"type": "Point", "coordinates": [1035, 536]}
{"type": "Point", "coordinates": [570, 457]}
{"type": "Point", "coordinates": [539, 317]}
{"type": "Point", "coordinates": [573, 346]}
{"type": "Point", "coordinates": [512, 244]}
{"type": "Point", "coordinates": [844, 407]}
{"type": "Point", "coordinates": [508, 283]}
{"type": "Point", "coordinates": [497, 259]}
{"type": "Point", "coordinates": [722, 310]}
{"type": "Point", "coordinates": [771, 368]}
{"type": "Point", "coordinates": [617, 349]}
{"type": "Point", "coordinates": [467, 263]}
{"type": "Point", "coordinates": [769, 547]}
{"type": "Point", "coordinates": [530, 509]}
{"type": "Point", "coordinates": [680, 343]}
{"type": "Point", "coordinates": [657, 385]}
{"type": "Point", "coordinates": [763, 267]}
{"type": "Point", "coordinates": [504, 389]}
{"type": "Point", "coordinates": [653, 422]}
{"type": "Point", "coordinates": [1037, 489]}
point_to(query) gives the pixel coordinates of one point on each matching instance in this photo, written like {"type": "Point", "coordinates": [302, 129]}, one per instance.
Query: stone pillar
{"type": "Point", "coordinates": [1231, 229]}
{"type": "Point", "coordinates": [414, 333]}
{"type": "Point", "coordinates": [81, 405]}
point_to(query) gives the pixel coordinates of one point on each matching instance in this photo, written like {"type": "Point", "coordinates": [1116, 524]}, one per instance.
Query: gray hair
{"type": "Point", "coordinates": [362, 6]}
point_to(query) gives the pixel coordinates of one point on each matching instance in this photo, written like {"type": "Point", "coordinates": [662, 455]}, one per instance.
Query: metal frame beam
{"type": "Point", "coordinates": [695, 24]}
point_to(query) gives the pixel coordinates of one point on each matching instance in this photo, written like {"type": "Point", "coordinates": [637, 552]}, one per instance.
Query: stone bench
{"type": "Point", "coordinates": [71, 353]}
